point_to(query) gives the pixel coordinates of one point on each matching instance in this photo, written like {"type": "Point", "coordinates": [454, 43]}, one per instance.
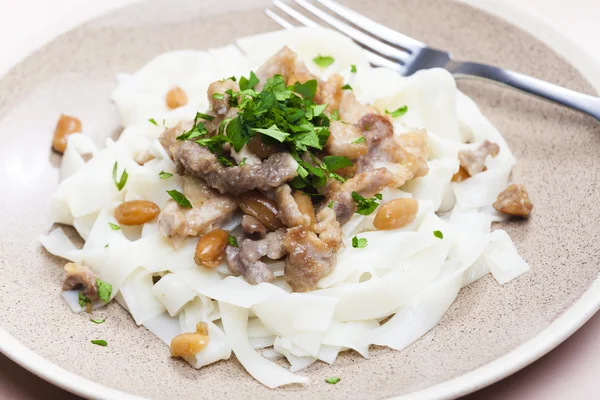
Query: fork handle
{"type": "Point", "coordinates": [570, 98]}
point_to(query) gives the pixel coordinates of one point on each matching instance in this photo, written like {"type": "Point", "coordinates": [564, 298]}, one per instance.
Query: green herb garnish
{"type": "Point", "coordinates": [438, 234]}
{"type": "Point", "coordinates": [332, 381]}
{"type": "Point", "coordinates": [249, 83]}
{"type": "Point", "coordinates": [218, 96]}
{"type": "Point", "coordinates": [152, 121]}
{"type": "Point", "coordinates": [97, 321]}
{"type": "Point", "coordinates": [331, 203]}
{"type": "Point", "coordinates": [359, 243]}
{"type": "Point", "coordinates": [243, 162]}
{"type": "Point", "coordinates": [233, 241]}
{"type": "Point", "coordinates": [334, 163]}
{"type": "Point", "coordinates": [120, 184]}
{"type": "Point", "coordinates": [323, 61]}
{"type": "Point", "coordinates": [198, 128]}
{"type": "Point", "coordinates": [335, 115]}
{"type": "Point", "coordinates": [100, 342]}
{"type": "Point", "coordinates": [104, 290]}
{"type": "Point", "coordinates": [347, 87]}
{"type": "Point", "coordinates": [224, 161]}
{"type": "Point", "coordinates": [366, 206]}
{"type": "Point", "coordinates": [164, 175]}
{"type": "Point", "coordinates": [398, 112]}
{"type": "Point", "coordinates": [114, 227]}
{"type": "Point", "coordinates": [359, 140]}
{"type": "Point", "coordinates": [83, 300]}
{"type": "Point", "coordinates": [179, 198]}
{"type": "Point", "coordinates": [353, 68]}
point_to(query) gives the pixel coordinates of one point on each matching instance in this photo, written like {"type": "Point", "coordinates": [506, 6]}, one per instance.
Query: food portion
{"type": "Point", "coordinates": [289, 201]}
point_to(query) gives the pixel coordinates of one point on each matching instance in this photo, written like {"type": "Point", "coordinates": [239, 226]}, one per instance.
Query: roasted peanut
{"type": "Point", "coordinates": [176, 98]}
{"type": "Point", "coordinates": [265, 210]}
{"type": "Point", "coordinates": [65, 126]}
{"type": "Point", "coordinates": [396, 214]}
{"type": "Point", "coordinates": [258, 147]}
{"type": "Point", "coordinates": [188, 344]}
{"type": "Point", "coordinates": [136, 212]}
{"type": "Point", "coordinates": [210, 249]}
{"type": "Point", "coordinates": [305, 206]}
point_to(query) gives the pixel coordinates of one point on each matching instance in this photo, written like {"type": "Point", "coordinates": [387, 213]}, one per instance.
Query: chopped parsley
{"type": "Point", "coordinates": [106, 245]}
{"type": "Point", "coordinates": [335, 116]}
{"type": "Point", "coordinates": [359, 243]}
{"type": "Point", "coordinates": [323, 61]}
{"type": "Point", "coordinates": [100, 342]}
{"type": "Point", "coordinates": [438, 234]}
{"type": "Point", "coordinates": [224, 161]}
{"type": "Point", "coordinates": [347, 87]}
{"type": "Point", "coordinates": [334, 163]}
{"type": "Point", "coordinates": [307, 89]}
{"type": "Point", "coordinates": [366, 206]}
{"type": "Point", "coordinates": [233, 241]}
{"type": "Point", "coordinates": [274, 132]}
{"type": "Point", "coordinates": [218, 96]}
{"type": "Point", "coordinates": [243, 162]}
{"type": "Point", "coordinates": [331, 203]}
{"type": "Point", "coordinates": [152, 121]}
{"type": "Point", "coordinates": [83, 300]}
{"type": "Point", "coordinates": [104, 290]}
{"type": "Point", "coordinates": [164, 175]}
{"type": "Point", "coordinates": [179, 198]}
{"type": "Point", "coordinates": [248, 83]}
{"type": "Point", "coordinates": [359, 140]}
{"type": "Point", "coordinates": [97, 321]}
{"type": "Point", "coordinates": [120, 184]}
{"type": "Point", "coordinates": [114, 227]}
{"type": "Point", "coordinates": [198, 128]}
{"type": "Point", "coordinates": [398, 112]}
{"type": "Point", "coordinates": [332, 381]}
{"type": "Point", "coordinates": [353, 68]}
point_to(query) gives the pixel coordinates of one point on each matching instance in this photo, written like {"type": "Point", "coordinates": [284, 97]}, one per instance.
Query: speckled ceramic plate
{"type": "Point", "coordinates": [488, 333]}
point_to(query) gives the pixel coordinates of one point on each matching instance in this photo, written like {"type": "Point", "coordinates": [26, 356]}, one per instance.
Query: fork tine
{"type": "Point", "coordinates": [358, 36]}
{"type": "Point", "coordinates": [374, 28]}
{"type": "Point", "coordinates": [373, 58]}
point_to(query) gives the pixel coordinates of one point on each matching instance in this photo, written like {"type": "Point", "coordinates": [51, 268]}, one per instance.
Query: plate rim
{"type": "Point", "coordinates": [526, 353]}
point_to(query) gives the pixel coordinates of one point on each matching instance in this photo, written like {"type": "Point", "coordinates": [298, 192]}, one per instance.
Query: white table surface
{"type": "Point", "coordinates": [569, 372]}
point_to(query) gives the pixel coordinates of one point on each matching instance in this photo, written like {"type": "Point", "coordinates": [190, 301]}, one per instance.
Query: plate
{"type": "Point", "coordinates": [488, 333]}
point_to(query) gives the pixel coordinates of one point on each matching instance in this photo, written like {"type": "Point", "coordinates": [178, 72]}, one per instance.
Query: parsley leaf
{"type": "Point", "coordinates": [330, 205]}
{"type": "Point", "coordinates": [114, 227]}
{"type": "Point", "coordinates": [104, 290]}
{"type": "Point", "coordinates": [332, 381]}
{"type": "Point", "coordinates": [323, 61]}
{"type": "Point", "coordinates": [347, 87]}
{"type": "Point", "coordinates": [353, 68]}
{"type": "Point", "coordinates": [203, 116]}
{"type": "Point", "coordinates": [232, 241]}
{"type": "Point", "coordinates": [335, 116]}
{"type": "Point", "coordinates": [359, 140]}
{"type": "Point", "coordinates": [198, 128]}
{"type": "Point", "coordinates": [366, 206]}
{"type": "Point", "coordinates": [164, 175]}
{"type": "Point", "coordinates": [398, 112]}
{"type": "Point", "coordinates": [152, 121]}
{"type": "Point", "coordinates": [120, 184]}
{"type": "Point", "coordinates": [224, 161]}
{"type": "Point", "coordinates": [249, 83]}
{"type": "Point", "coordinates": [97, 321]}
{"type": "Point", "coordinates": [179, 198]}
{"type": "Point", "coordinates": [243, 162]}
{"type": "Point", "coordinates": [334, 163]}
{"type": "Point", "coordinates": [307, 89]}
{"type": "Point", "coordinates": [438, 234]}
{"type": "Point", "coordinates": [100, 342]}
{"type": "Point", "coordinates": [83, 300]}
{"type": "Point", "coordinates": [359, 243]}
{"type": "Point", "coordinates": [274, 132]}
{"type": "Point", "coordinates": [218, 96]}
{"type": "Point", "coordinates": [236, 134]}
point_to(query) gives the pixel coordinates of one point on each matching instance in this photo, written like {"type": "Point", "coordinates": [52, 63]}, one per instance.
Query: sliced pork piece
{"type": "Point", "coordinates": [330, 92]}
{"type": "Point", "coordinates": [285, 63]}
{"type": "Point", "coordinates": [221, 105]}
{"type": "Point", "coordinates": [473, 161]}
{"type": "Point", "coordinates": [343, 140]}
{"type": "Point", "coordinates": [351, 110]}
{"type": "Point", "coordinates": [328, 228]}
{"type": "Point", "coordinates": [289, 212]}
{"type": "Point", "coordinates": [253, 227]}
{"type": "Point", "coordinates": [210, 209]}
{"type": "Point", "coordinates": [81, 277]}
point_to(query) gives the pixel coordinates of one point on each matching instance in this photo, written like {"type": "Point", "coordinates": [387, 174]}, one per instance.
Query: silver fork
{"type": "Point", "coordinates": [388, 48]}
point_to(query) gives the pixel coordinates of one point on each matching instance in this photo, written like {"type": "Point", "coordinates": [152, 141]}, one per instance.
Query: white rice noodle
{"type": "Point", "coordinates": [245, 153]}
{"type": "Point", "coordinates": [173, 293]}
{"type": "Point", "coordinates": [235, 324]}
{"type": "Point", "coordinates": [140, 298]}
{"type": "Point", "coordinates": [163, 326]}
{"type": "Point", "coordinates": [261, 342]}
{"type": "Point", "coordinates": [353, 335]}
{"type": "Point", "coordinates": [504, 262]}
{"type": "Point", "coordinates": [200, 309]}
{"type": "Point", "coordinates": [434, 185]}
{"type": "Point", "coordinates": [218, 349]}
{"type": "Point", "coordinates": [71, 297]}
{"type": "Point", "coordinates": [59, 210]}
{"type": "Point", "coordinates": [84, 224]}
{"type": "Point", "coordinates": [229, 61]}
{"type": "Point", "coordinates": [291, 352]}
{"type": "Point", "coordinates": [72, 160]}
{"type": "Point", "coordinates": [482, 189]}
{"type": "Point", "coordinates": [59, 244]}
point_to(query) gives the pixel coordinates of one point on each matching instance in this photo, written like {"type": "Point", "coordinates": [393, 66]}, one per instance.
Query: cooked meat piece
{"type": "Point", "coordinates": [366, 183]}
{"type": "Point", "coordinates": [328, 228]}
{"type": "Point", "coordinates": [514, 201]}
{"type": "Point", "coordinates": [285, 63]}
{"type": "Point", "coordinates": [473, 161]}
{"type": "Point", "coordinates": [80, 276]}
{"type": "Point", "coordinates": [247, 258]}
{"type": "Point", "coordinates": [330, 92]}
{"type": "Point", "coordinates": [416, 144]}
{"type": "Point", "coordinates": [289, 213]}
{"type": "Point", "coordinates": [209, 210]}
{"type": "Point", "coordinates": [342, 140]}
{"type": "Point", "coordinates": [460, 175]}
{"type": "Point", "coordinates": [195, 160]}
{"type": "Point", "coordinates": [351, 110]}
{"type": "Point", "coordinates": [309, 259]}
{"type": "Point", "coordinates": [375, 127]}
{"type": "Point", "coordinates": [221, 106]}
{"type": "Point", "coordinates": [253, 227]}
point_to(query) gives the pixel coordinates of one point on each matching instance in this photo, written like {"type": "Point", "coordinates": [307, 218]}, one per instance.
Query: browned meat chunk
{"type": "Point", "coordinates": [195, 160]}
{"type": "Point", "coordinates": [330, 92]}
{"type": "Point", "coordinates": [221, 105]}
{"type": "Point", "coordinates": [375, 127]}
{"type": "Point", "coordinates": [309, 259]}
{"type": "Point", "coordinates": [289, 212]}
{"type": "Point", "coordinates": [253, 227]}
{"type": "Point", "coordinates": [246, 259]}
{"type": "Point", "coordinates": [351, 110]}
{"type": "Point", "coordinates": [284, 63]}
{"type": "Point", "coordinates": [416, 144]}
{"type": "Point", "coordinates": [514, 201]}
{"type": "Point", "coordinates": [328, 228]}
{"type": "Point", "coordinates": [473, 161]}
{"type": "Point", "coordinates": [209, 209]}
{"type": "Point", "coordinates": [343, 141]}
{"type": "Point", "coordinates": [80, 276]}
